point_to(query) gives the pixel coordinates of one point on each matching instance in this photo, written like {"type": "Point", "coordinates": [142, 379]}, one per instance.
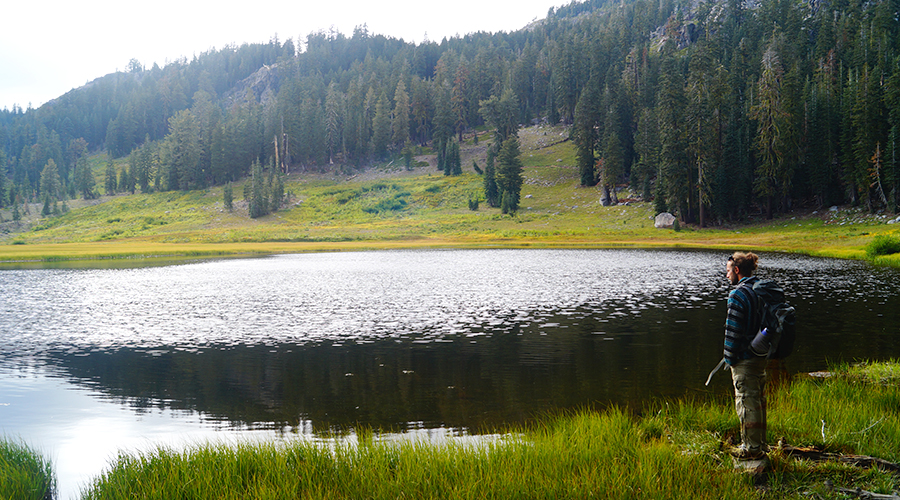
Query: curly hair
{"type": "Point", "coordinates": [745, 262]}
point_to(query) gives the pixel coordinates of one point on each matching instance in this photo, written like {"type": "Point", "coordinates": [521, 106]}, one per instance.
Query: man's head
{"type": "Point", "coordinates": [740, 265]}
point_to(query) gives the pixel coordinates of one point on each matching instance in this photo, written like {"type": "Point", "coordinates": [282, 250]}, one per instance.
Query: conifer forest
{"type": "Point", "coordinates": [713, 109]}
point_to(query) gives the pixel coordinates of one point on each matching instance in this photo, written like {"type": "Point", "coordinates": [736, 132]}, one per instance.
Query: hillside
{"type": "Point", "coordinates": [389, 207]}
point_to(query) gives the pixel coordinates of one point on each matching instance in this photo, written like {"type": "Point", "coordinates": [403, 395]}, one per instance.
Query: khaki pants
{"type": "Point", "coordinates": [749, 378]}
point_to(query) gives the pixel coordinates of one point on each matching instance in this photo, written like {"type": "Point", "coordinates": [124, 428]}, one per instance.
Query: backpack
{"type": "Point", "coordinates": [779, 321]}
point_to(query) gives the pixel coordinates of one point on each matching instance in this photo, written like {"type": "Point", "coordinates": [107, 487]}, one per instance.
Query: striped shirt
{"type": "Point", "coordinates": [742, 322]}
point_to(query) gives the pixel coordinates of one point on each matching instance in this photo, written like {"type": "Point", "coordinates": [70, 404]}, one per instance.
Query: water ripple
{"type": "Point", "coordinates": [357, 297]}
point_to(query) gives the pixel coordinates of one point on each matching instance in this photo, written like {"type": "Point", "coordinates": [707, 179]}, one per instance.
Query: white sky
{"type": "Point", "coordinates": [52, 46]}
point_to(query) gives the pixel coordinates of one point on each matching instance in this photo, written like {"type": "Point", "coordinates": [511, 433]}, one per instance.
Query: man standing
{"type": "Point", "coordinates": [748, 371]}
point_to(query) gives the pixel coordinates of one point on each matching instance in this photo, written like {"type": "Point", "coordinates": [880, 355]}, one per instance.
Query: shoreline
{"type": "Point", "coordinates": [100, 254]}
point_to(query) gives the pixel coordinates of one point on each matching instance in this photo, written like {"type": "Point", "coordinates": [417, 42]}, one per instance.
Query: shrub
{"type": "Point", "coordinates": [883, 244]}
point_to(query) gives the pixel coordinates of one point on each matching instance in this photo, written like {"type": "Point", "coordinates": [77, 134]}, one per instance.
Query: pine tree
{"type": "Point", "coordinates": [259, 199]}
{"type": "Point", "coordinates": [456, 167]}
{"type": "Point", "coordinates": [50, 182]}
{"type": "Point", "coordinates": [3, 180]}
{"type": "Point", "coordinates": [277, 189]}
{"type": "Point", "coordinates": [772, 123]}
{"type": "Point", "coordinates": [400, 124]}
{"type": "Point", "coordinates": [84, 179]}
{"type": "Point", "coordinates": [126, 182]}
{"type": "Point", "coordinates": [613, 166]}
{"type": "Point", "coordinates": [452, 161]}
{"type": "Point", "coordinates": [674, 167]}
{"type": "Point", "coordinates": [509, 175]}
{"type": "Point", "coordinates": [228, 196]}
{"type": "Point", "coordinates": [445, 161]}
{"type": "Point", "coordinates": [892, 151]}
{"type": "Point", "coordinates": [866, 118]}
{"type": "Point", "coordinates": [491, 191]}
{"type": "Point", "coordinates": [407, 153]}
{"type": "Point", "coordinates": [706, 92]}
{"type": "Point", "coordinates": [16, 214]}
{"type": "Point", "coordinates": [459, 99]}
{"type": "Point", "coordinates": [381, 127]}
{"type": "Point", "coordinates": [334, 120]}
{"type": "Point", "coordinates": [442, 124]}
{"type": "Point", "coordinates": [584, 132]}
{"type": "Point", "coordinates": [501, 113]}
{"type": "Point", "coordinates": [218, 164]}
{"type": "Point", "coordinates": [111, 182]}
{"type": "Point", "coordinates": [646, 146]}
{"type": "Point", "coordinates": [659, 200]}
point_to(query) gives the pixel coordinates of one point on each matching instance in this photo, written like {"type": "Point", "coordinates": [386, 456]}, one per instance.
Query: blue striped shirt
{"type": "Point", "coordinates": [742, 322]}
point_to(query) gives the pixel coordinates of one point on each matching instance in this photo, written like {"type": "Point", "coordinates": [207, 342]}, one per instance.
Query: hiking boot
{"type": "Point", "coordinates": [742, 453]}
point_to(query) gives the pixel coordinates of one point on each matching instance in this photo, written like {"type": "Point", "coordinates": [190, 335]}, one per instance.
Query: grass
{"type": "Point", "coordinates": [389, 207]}
{"type": "Point", "coordinates": [578, 456]}
{"type": "Point", "coordinates": [883, 244]}
{"type": "Point", "coordinates": [675, 449]}
{"type": "Point", "coordinates": [24, 474]}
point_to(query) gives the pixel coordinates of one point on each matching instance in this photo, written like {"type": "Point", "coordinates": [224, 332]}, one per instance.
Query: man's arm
{"type": "Point", "coordinates": [735, 325]}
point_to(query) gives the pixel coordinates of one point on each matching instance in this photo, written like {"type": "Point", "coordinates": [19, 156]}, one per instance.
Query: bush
{"type": "Point", "coordinates": [883, 245]}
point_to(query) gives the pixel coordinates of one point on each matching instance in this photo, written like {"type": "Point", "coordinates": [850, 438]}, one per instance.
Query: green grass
{"type": "Point", "coordinates": [578, 456]}
{"type": "Point", "coordinates": [883, 244]}
{"type": "Point", "coordinates": [24, 474]}
{"type": "Point", "coordinates": [675, 449]}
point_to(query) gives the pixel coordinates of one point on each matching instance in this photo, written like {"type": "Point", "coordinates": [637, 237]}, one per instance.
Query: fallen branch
{"type": "Point", "coordinates": [818, 455]}
{"type": "Point", "coordinates": [861, 493]}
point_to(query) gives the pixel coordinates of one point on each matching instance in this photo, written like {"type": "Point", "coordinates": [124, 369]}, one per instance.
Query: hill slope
{"type": "Point", "coordinates": [390, 207]}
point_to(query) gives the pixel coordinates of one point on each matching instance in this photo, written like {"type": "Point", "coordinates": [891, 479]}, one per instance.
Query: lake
{"type": "Point", "coordinates": [435, 345]}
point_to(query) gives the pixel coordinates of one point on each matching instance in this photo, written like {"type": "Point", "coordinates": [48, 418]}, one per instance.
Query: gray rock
{"type": "Point", "coordinates": [664, 220]}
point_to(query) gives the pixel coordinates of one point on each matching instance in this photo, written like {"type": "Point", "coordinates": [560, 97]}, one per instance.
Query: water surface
{"type": "Point", "coordinates": [445, 343]}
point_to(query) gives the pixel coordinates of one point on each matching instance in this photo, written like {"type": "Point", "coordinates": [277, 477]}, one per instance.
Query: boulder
{"type": "Point", "coordinates": [664, 220]}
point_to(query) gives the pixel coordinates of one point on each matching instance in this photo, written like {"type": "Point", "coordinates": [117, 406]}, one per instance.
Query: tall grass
{"type": "Point", "coordinates": [24, 474]}
{"type": "Point", "coordinates": [857, 409]}
{"type": "Point", "coordinates": [675, 449]}
{"type": "Point", "coordinates": [585, 455]}
{"type": "Point", "coordinates": [883, 244]}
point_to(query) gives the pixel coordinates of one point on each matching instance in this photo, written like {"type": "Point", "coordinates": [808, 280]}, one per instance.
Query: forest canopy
{"type": "Point", "coordinates": [712, 109]}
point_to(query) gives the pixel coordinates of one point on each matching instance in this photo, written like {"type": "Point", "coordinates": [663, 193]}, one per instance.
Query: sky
{"type": "Point", "coordinates": [50, 47]}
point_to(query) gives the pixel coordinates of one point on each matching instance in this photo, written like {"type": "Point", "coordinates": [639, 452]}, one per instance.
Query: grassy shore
{"type": "Point", "coordinates": [388, 206]}
{"type": "Point", "coordinates": [24, 474]}
{"type": "Point", "coordinates": [672, 449]}
{"type": "Point", "coordinates": [675, 449]}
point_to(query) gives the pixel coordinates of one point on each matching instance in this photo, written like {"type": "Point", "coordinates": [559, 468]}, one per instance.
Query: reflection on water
{"type": "Point", "coordinates": [408, 340]}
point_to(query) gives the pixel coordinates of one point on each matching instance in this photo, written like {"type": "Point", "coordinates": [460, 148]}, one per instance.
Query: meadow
{"type": "Point", "coordinates": [388, 206]}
